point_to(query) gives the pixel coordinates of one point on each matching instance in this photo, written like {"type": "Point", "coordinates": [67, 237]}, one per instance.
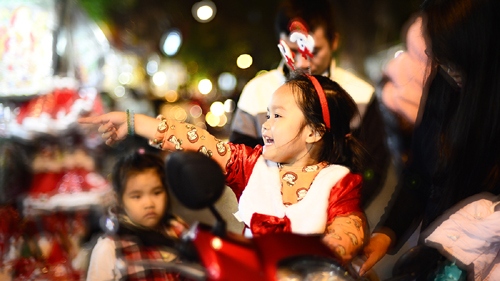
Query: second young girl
{"type": "Point", "coordinates": [146, 230]}
{"type": "Point", "coordinates": [302, 180]}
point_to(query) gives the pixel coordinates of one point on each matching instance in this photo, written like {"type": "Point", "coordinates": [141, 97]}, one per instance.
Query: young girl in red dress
{"type": "Point", "coordinates": [303, 180]}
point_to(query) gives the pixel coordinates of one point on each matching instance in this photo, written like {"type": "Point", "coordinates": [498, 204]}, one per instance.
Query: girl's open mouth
{"type": "Point", "coordinates": [268, 140]}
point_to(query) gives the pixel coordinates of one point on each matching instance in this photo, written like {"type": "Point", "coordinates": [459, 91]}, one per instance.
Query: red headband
{"type": "Point", "coordinates": [322, 100]}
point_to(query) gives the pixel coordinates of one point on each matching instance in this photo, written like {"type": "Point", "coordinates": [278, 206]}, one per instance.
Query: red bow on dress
{"type": "Point", "coordinates": [262, 224]}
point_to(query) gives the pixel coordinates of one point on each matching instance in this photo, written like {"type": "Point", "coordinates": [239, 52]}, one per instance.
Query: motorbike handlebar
{"type": "Point", "coordinates": [189, 270]}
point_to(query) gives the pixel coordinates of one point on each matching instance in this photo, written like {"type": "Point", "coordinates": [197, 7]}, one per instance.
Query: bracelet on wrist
{"type": "Point", "coordinates": [130, 122]}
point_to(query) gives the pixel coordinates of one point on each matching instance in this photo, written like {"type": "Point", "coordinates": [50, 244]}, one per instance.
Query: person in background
{"type": "Point", "coordinates": [146, 229]}
{"type": "Point", "coordinates": [303, 180]}
{"type": "Point", "coordinates": [455, 152]}
{"type": "Point", "coordinates": [252, 104]}
{"type": "Point", "coordinates": [400, 91]}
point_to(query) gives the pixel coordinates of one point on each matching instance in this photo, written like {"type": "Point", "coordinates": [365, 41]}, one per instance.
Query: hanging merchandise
{"type": "Point", "coordinates": [64, 176]}
{"type": "Point", "coordinates": [51, 60]}
{"type": "Point", "coordinates": [55, 112]}
{"type": "Point", "coordinates": [26, 42]}
{"type": "Point", "coordinates": [71, 50]}
{"type": "Point", "coordinates": [64, 191]}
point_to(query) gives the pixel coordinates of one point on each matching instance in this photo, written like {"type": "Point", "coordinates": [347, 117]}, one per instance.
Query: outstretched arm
{"type": "Point", "coordinates": [114, 126]}
{"type": "Point", "coordinates": [162, 133]}
{"type": "Point", "coordinates": [346, 228]}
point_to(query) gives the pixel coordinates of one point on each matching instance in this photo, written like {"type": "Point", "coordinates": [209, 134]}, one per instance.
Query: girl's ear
{"type": "Point", "coordinates": [314, 135]}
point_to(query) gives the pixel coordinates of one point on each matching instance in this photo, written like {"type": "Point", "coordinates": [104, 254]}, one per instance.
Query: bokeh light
{"type": "Point", "coordinates": [205, 86]}
{"type": "Point", "coordinates": [227, 81]}
{"type": "Point", "coordinates": [204, 11]}
{"type": "Point", "coordinates": [195, 111]}
{"type": "Point", "coordinates": [171, 96]}
{"type": "Point", "coordinates": [171, 42]}
{"type": "Point", "coordinates": [229, 105]}
{"type": "Point", "coordinates": [212, 120]}
{"type": "Point", "coordinates": [119, 91]}
{"type": "Point", "coordinates": [217, 108]}
{"type": "Point", "coordinates": [159, 78]}
{"type": "Point", "coordinates": [244, 61]}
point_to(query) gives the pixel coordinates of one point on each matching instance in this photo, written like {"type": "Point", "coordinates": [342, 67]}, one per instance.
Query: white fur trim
{"type": "Point", "coordinates": [262, 195]}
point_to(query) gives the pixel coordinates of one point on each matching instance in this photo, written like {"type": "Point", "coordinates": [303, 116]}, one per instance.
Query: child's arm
{"type": "Point", "coordinates": [162, 133]}
{"type": "Point", "coordinates": [345, 235]}
{"type": "Point", "coordinates": [346, 227]}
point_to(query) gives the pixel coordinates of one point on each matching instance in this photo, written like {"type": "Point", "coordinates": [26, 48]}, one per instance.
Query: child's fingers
{"type": "Point", "coordinates": [108, 135]}
{"type": "Point", "coordinates": [93, 120]}
{"type": "Point", "coordinates": [110, 138]}
{"type": "Point", "coordinates": [85, 120]}
{"type": "Point", "coordinates": [110, 142]}
{"type": "Point", "coordinates": [106, 127]}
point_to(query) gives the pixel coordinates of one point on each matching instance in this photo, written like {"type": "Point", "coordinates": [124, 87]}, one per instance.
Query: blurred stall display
{"type": "Point", "coordinates": [84, 46]}
{"type": "Point", "coordinates": [43, 39]}
{"type": "Point", "coordinates": [64, 176]}
{"type": "Point", "coordinates": [55, 112]}
{"type": "Point", "coordinates": [46, 202]}
{"type": "Point", "coordinates": [26, 44]}
{"type": "Point", "coordinates": [51, 60]}
{"type": "Point", "coordinates": [50, 66]}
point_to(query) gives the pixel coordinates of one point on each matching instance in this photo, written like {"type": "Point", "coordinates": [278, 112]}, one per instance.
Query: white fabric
{"type": "Point", "coordinates": [262, 195]}
{"type": "Point", "coordinates": [472, 236]}
{"type": "Point", "coordinates": [102, 264]}
{"type": "Point", "coordinates": [256, 94]}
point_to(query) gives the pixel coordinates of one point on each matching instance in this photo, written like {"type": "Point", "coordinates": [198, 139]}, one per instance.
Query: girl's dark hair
{"type": "Point", "coordinates": [135, 163]}
{"type": "Point", "coordinates": [339, 145]}
{"type": "Point", "coordinates": [464, 35]}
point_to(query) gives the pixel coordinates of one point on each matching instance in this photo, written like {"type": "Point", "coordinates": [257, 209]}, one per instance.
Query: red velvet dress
{"type": "Point", "coordinates": [341, 195]}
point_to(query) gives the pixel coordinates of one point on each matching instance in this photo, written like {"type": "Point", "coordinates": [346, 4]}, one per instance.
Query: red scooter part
{"type": "Point", "coordinates": [228, 256]}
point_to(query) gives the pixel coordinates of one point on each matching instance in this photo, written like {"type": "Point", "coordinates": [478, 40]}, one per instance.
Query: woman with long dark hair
{"type": "Point", "coordinates": [455, 150]}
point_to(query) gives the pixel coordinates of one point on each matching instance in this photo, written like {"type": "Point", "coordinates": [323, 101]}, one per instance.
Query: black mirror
{"type": "Point", "coordinates": [195, 179]}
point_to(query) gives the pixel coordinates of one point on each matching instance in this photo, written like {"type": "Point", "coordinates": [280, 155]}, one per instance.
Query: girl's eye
{"type": "Point", "coordinates": [274, 115]}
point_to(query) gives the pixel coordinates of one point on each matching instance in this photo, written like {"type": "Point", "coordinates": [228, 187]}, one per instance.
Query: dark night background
{"type": "Point", "coordinates": [366, 27]}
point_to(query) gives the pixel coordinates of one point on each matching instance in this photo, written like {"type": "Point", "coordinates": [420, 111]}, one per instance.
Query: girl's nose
{"type": "Point", "coordinates": [149, 202]}
{"type": "Point", "coordinates": [265, 126]}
